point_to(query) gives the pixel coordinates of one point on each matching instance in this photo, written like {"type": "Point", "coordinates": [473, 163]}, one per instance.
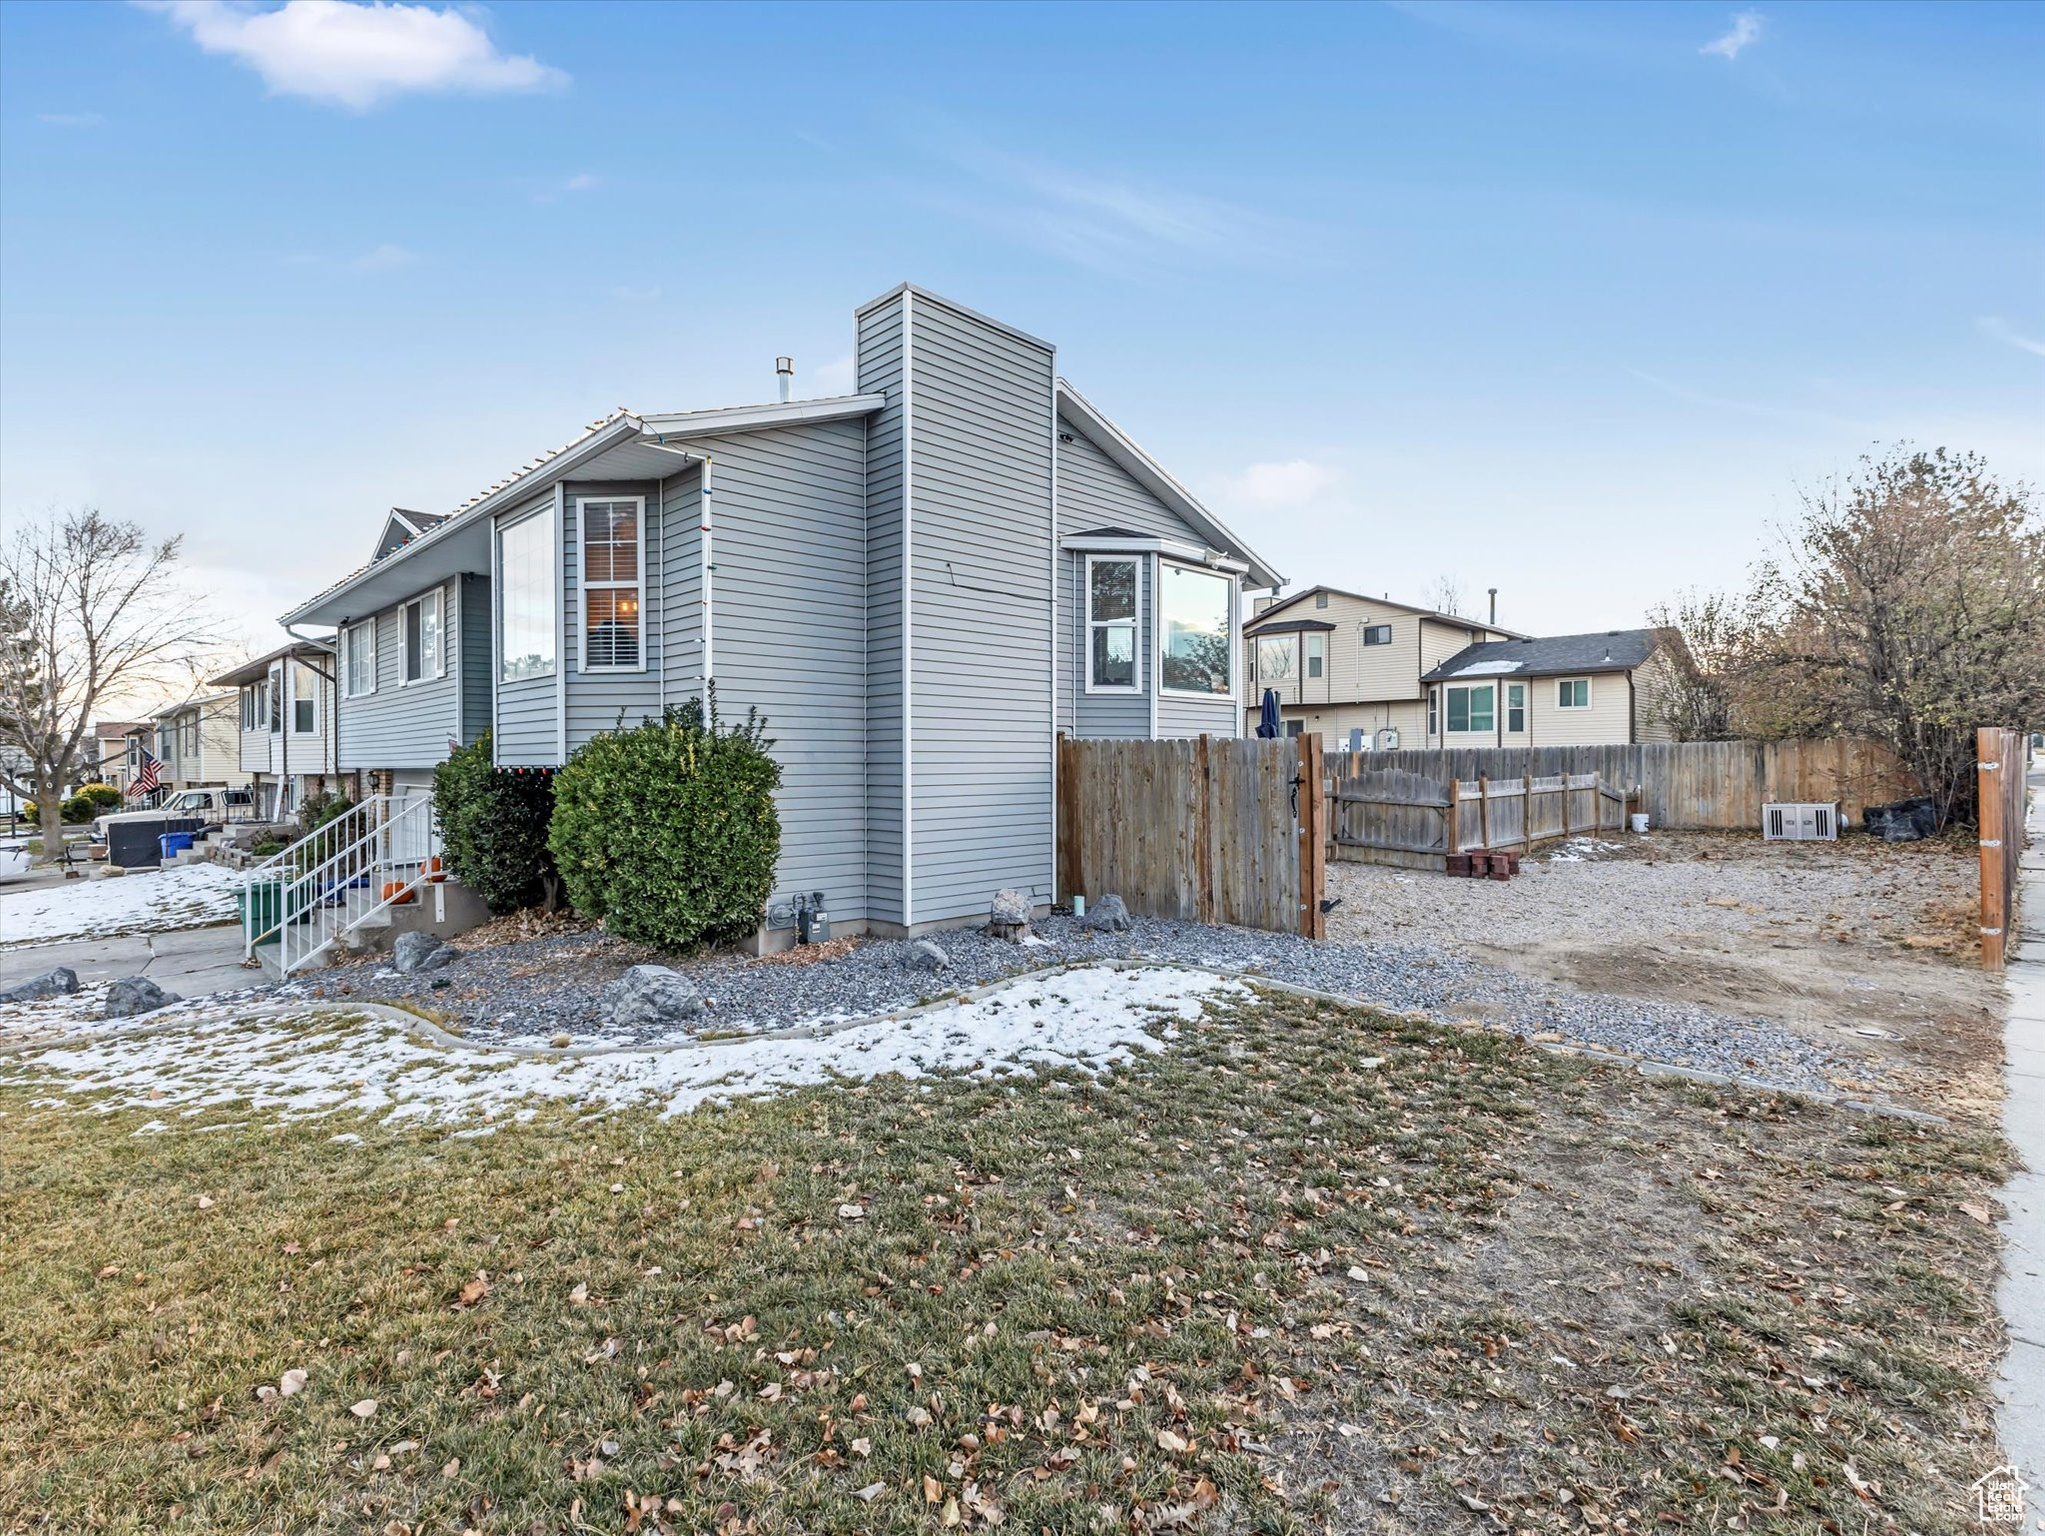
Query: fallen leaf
{"type": "Point", "coordinates": [1167, 1441]}
{"type": "Point", "coordinates": [364, 1409]}
{"type": "Point", "coordinates": [291, 1383]}
{"type": "Point", "coordinates": [871, 1492]}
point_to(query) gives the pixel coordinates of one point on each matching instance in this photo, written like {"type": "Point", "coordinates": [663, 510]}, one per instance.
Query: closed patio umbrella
{"type": "Point", "coordinates": [1268, 725]}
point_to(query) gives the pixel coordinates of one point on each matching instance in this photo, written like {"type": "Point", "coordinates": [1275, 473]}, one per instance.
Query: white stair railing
{"type": "Point", "coordinates": [327, 886]}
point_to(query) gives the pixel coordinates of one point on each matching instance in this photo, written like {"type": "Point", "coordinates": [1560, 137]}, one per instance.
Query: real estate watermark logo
{"type": "Point", "coordinates": [1999, 1496]}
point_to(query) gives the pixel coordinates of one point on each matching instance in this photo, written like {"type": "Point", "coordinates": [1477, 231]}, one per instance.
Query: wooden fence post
{"type": "Point", "coordinates": [1990, 751]}
{"type": "Point", "coordinates": [1484, 809]}
{"type": "Point", "coordinates": [1313, 837]}
{"type": "Point", "coordinates": [1454, 814]}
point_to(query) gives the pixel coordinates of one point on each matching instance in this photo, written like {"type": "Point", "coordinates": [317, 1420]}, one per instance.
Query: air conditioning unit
{"type": "Point", "coordinates": [1787, 822]}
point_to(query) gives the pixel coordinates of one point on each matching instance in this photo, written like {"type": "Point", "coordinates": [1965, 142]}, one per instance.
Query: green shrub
{"type": "Point", "coordinates": [315, 811]}
{"type": "Point", "coordinates": [104, 797]}
{"type": "Point", "coordinates": [667, 832]}
{"type": "Point", "coordinates": [493, 829]}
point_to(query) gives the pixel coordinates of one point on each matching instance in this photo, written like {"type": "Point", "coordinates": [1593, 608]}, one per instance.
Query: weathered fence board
{"type": "Point", "coordinates": [1207, 829]}
{"type": "Point", "coordinates": [1390, 816]}
{"type": "Point", "coordinates": [1999, 764]}
{"type": "Point", "coordinates": [1686, 786]}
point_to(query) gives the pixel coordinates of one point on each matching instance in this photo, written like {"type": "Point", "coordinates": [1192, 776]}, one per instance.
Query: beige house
{"type": "Point", "coordinates": [285, 732]}
{"type": "Point", "coordinates": [1350, 666]}
{"type": "Point", "coordinates": [199, 743]}
{"type": "Point", "coordinates": [110, 753]}
{"type": "Point", "coordinates": [1558, 691]}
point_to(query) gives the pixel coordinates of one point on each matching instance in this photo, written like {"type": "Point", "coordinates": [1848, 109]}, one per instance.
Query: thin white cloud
{"type": "Point", "coordinates": [2001, 330]}
{"type": "Point", "coordinates": [1745, 31]}
{"type": "Point", "coordinates": [1292, 483]}
{"type": "Point", "coordinates": [383, 258]}
{"type": "Point", "coordinates": [581, 181]}
{"type": "Point", "coordinates": [357, 54]}
{"type": "Point", "coordinates": [71, 119]}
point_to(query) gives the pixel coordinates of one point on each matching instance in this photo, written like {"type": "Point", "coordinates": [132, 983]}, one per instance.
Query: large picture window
{"type": "Point", "coordinates": [1472, 709]}
{"type": "Point", "coordinates": [612, 584]}
{"type": "Point", "coordinates": [1275, 657]}
{"type": "Point", "coordinates": [1196, 621]}
{"type": "Point", "coordinates": [1112, 588]}
{"type": "Point", "coordinates": [525, 614]}
{"type": "Point", "coordinates": [358, 659]}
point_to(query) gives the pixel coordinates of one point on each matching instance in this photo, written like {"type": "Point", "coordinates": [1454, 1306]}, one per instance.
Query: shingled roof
{"type": "Point", "coordinates": [1611, 650]}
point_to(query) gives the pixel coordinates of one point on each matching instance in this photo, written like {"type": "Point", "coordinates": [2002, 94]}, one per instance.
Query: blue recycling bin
{"type": "Point", "coordinates": [175, 842]}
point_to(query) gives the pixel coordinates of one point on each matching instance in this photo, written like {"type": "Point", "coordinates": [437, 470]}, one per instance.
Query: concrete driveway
{"type": "Point", "coordinates": [191, 962]}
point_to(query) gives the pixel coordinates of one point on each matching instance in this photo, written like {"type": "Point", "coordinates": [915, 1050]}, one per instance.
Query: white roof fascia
{"type": "Point", "coordinates": [747, 418]}
{"type": "Point", "coordinates": [1153, 477]}
{"type": "Point", "coordinates": [1135, 543]}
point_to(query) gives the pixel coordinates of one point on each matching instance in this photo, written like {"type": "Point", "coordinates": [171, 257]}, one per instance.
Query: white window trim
{"type": "Point", "coordinates": [544, 514]}
{"type": "Point", "coordinates": [291, 721]}
{"type": "Point", "coordinates": [584, 586]}
{"type": "Point", "coordinates": [1506, 707]}
{"type": "Point", "coordinates": [1298, 674]}
{"type": "Point", "coordinates": [1587, 691]}
{"type": "Point", "coordinates": [348, 636]}
{"type": "Point", "coordinates": [1235, 635]}
{"type": "Point", "coordinates": [1307, 658]}
{"type": "Point", "coordinates": [1134, 623]}
{"type": "Point", "coordinates": [438, 597]}
{"type": "Point", "coordinates": [1472, 689]}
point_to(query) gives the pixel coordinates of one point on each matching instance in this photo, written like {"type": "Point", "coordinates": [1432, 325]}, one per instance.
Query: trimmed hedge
{"type": "Point", "coordinates": [667, 832]}
{"type": "Point", "coordinates": [493, 829]}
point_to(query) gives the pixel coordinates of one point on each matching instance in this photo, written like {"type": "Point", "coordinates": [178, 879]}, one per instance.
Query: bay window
{"type": "Point", "coordinates": [1275, 656]}
{"type": "Point", "coordinates": [526, 623]}
{"type": "Point", "coordinates": [1112, 588]}
{"type": "Point", "coordinates": [420, 620]}
{"type": "Point", "coordinates": [1196, 620]}
{"type": "Point", "coordinates": [1317, 652]}
{"type": "Point", "coordinates": [612, 582]}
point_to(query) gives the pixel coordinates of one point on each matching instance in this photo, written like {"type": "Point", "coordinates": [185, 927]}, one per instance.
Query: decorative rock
{"type": "Point", "coordinates": [649, 997]}
{"type": "Point", "coordinates": [136, 994]}
{"type": "Point", "coordinates": [61, 982]}
{"type": "Point", "coordinates": [1108, 915]}
{"type": "Point", "coordinates": [1008, 916]}
{"type": "Point", "coordinates": [926, 956]}
{"type": "Point", "coordinates": [420, 952]}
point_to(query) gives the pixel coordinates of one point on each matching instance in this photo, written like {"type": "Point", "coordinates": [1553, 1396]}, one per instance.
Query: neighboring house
{"type": "Point", "coordinates": [110, 753]}
{"type": "Point", "coordinates": [1350, 666]}
{"type": "Point", "coordinates": [199, 743]}
{"type": "Point", "coordinates": [918, 584]}
{"type": "Point", "coordinates": [285, 726]}
{"type": "Point", "coordinates": [1556, 691]}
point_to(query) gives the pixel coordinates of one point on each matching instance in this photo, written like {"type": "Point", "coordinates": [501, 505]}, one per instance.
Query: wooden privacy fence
{"type": "Point", "coordinates": [1690, 786]}
{"type": "Point", "coordinates": [1208, 829]}
{"type": "Point", "coordinates": [2000, 765]}
{"type": "Point", "coordinates": [1389, 816]}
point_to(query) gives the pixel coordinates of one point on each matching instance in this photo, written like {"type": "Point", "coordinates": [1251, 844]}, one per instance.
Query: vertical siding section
{"type": "Point", "coordinates": [980, 606]}
{"type": "Point", "coordinates": [474, 651]}
{"type": "Point", "coordinates": [789, 625]}
{"type": "Point", "coordinates": [605, 701]}
{"type": "Point", "coordinates": [881, 341]}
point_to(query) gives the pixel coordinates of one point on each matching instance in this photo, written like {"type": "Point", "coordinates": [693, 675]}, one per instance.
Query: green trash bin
{"type": "Point", "coordinates": [262, 909]}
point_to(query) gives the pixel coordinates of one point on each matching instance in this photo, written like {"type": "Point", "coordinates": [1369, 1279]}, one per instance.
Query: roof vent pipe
{"type": "Point", "coordinates": [784, 375]}
{"type": "Point", "coordinates": [1494, 605]}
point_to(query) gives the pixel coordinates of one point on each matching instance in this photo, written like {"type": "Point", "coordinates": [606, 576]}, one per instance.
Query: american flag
{"type": "Point", "coordinates": [150, 776]}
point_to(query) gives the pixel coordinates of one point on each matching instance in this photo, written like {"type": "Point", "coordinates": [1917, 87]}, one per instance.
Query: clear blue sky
{"type": "Point", "coordinates": [1566, 300]}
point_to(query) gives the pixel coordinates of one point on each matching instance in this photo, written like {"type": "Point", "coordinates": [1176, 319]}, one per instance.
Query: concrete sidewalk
{"type": "Point", "coordinates": [191, 962]}
{"type": "Point", "coordinates": [2022, 1292]}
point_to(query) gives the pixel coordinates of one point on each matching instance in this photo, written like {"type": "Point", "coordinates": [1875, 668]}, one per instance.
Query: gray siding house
{"type": "Point", "coordinates": [919, 584]}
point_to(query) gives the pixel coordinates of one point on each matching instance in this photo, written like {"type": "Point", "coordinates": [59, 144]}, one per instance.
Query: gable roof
{"type": "Point", "coordinates": [256, 668]}
{"type": "Point", "coordinates": [1457, 619]}
{"type": "Point", "coordinates": [1611, 650]}
{"type": "Point", "coordinates": [402, 526]}
{"type": "Point", "coordinates": [1152, 476]}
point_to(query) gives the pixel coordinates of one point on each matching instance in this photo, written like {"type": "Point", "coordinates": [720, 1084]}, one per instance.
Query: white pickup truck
{"type": "Point", "coordinates": [210, 804]}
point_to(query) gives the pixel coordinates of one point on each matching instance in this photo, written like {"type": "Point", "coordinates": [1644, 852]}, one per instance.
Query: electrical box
{"type": "Point", "coordinates": [1388, 739]}
{"type": "Point", "coordinates": [812, 919]}
{"type": "Point", "coordinates": [1786, 822]}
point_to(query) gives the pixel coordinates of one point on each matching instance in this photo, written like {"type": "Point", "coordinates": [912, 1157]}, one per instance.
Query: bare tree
{"type": "Point", "coordinates": [89, 612]}
{"type": "Point", "coordinates": [1719, 634]}
{"type": "Point", "coordinates": [1446, 595]}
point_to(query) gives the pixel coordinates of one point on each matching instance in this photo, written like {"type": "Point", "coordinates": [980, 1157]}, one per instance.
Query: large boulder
{"type": "Point", "coordinates": [420, 952]}
{"type": "Point", "coordinates": [1108, 915]}
{"type": "Point", "coordinates": [61, 982]}
{"type": "Point", "coordinates": [651, 997]}
{"type": "Point", "coordinates": [1008, 915]}
{"type": "Point", "coordinates": [136, 994]}
{"type": "Point", "coordinates": [926, 956]}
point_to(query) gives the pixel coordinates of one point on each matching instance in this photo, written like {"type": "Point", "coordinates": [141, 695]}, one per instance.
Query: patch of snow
{"type": "Point", "coordinates": [1485, 669]}
{"type": "Point", "coordinates": [327, 1061]}
{"type": "Point", "coordinates": [183, 896]}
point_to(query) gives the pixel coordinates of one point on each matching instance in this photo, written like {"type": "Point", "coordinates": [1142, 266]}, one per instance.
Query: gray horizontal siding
{"type": "Point", "coordinates": [475, 652]}
{"type": "Point", "coordinates": [681, 586]}
{"type": "Point", "coordinates": [881, 343]}
{"type": "Point", "coordinates": [788, 621]}
{"type": "Point", "coordinates": [980, 710]}
{"type": "Point", "coordinates": [1100, 714]}
{"type": "Point", "coordinates": [404, 725]}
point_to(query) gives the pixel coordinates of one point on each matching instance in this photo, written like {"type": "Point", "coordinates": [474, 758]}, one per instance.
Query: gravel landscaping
{"type": "Point", "coordinates": [527, 992]}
